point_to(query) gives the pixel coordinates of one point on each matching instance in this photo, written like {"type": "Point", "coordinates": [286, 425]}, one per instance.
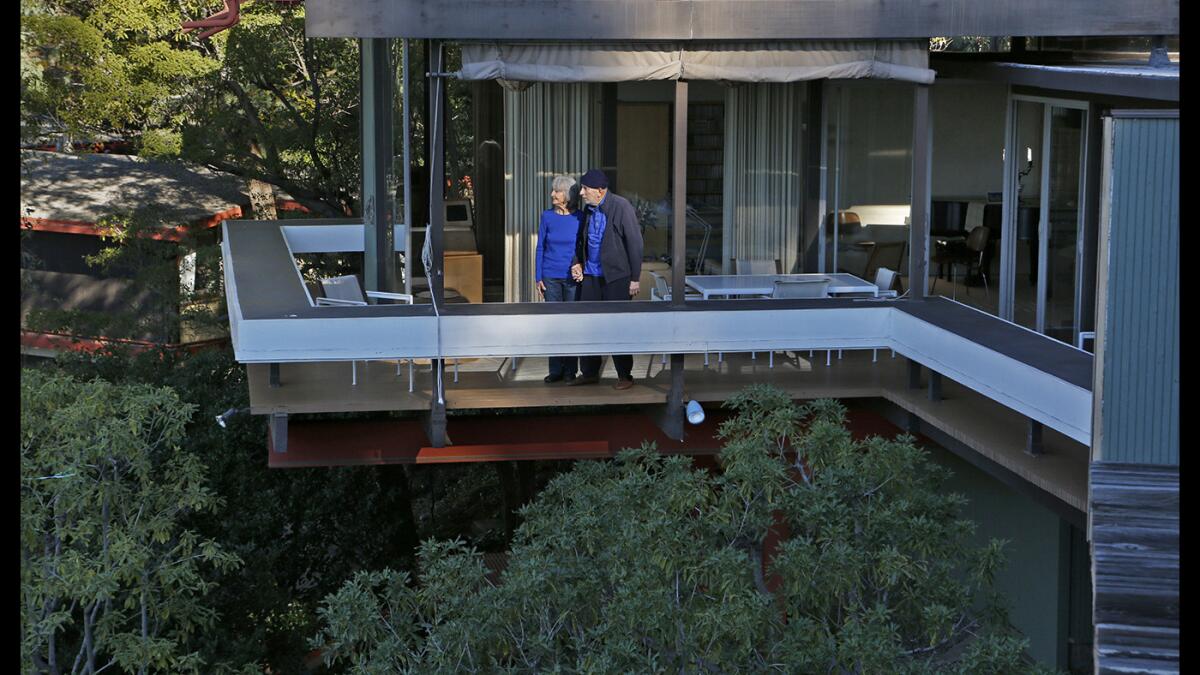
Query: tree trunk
{"type": "Point", "coordinates": [262, 200]}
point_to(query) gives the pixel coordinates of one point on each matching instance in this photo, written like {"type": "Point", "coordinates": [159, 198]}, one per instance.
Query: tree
{"type": "Point", "coordinates": [648, 564]}
{"type": "Point", "coordinates": [260, 100]}
{"type": "Point", "coordinates": [109, 575]}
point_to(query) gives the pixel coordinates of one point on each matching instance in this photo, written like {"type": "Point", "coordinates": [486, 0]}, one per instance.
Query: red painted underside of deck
{"type": "Point", "coordinates": [504, 438]}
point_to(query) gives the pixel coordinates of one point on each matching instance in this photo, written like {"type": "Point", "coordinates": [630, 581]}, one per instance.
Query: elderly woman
{"type": "Point", "coordinates": [552, 262]}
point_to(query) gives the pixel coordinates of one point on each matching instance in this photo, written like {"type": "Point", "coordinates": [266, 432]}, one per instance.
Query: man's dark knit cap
{"type": "Point", "coordinates": [594, 178]}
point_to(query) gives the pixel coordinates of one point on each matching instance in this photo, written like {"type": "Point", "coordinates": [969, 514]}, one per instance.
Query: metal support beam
{"type": "Point", "coordinates": [378, 202]}
{"type": "Point", "coordinates": [1033, 439]}
{"type": "Point", "coordinates": [679, 196]}
{"type": "Point", "coordinates": [437, 142]}
{"type": "Point", "coordinates": [435, 420]}
{"type": "Point", "coordinates": [278, 429]}
{"type": "Point", "coordinates": [918, 231]}
{"type": "Point", "coordinates": [670, 418]}
{"type": "Point", "coordinates": [914, 374]}
{"type": "Point", "coordinates": [410, 262]}
{"type": "Point", "coordinates": [935, 386]}
{"type": "Point", "coordinates": [273, 375]}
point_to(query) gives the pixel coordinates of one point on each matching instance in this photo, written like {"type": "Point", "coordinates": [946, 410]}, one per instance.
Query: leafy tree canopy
{"type": "Point", "coordinates": [110, 576]}
{"type": "Point", "coordinates": [259, 101]}
{"type": "Point", "coordinates": [646, 564]}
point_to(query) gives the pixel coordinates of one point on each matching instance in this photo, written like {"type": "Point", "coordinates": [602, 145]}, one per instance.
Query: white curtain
{"type": "Point", "coordinates": [763, 170]}
{"type": "Point", "coordinates": [791, 61]}
{"type": "Point", "coordinates": [549, 129]}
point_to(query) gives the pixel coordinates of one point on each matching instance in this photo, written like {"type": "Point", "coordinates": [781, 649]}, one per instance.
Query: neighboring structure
{"type": "Point", "coordinates": [846, 154]}
{"type": "Point", "coordinates": [65, 198]}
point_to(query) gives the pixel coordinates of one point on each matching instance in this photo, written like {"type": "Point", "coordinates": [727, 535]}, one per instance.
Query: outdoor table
{"type": "Point", "coordinates": [840, 283]}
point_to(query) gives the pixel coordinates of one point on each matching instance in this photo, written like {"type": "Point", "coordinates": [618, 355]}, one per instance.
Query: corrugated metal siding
{"type": "Point", "coordinates": [1139, 406]}
{"type": "Point", "coordinates": [550, 129]}
{"type": "Point", "coordinates": [763, 189]}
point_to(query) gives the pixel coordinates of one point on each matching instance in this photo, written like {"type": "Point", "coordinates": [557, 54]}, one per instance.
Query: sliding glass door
{"type": "Point", "coordinates": [1045, 160]}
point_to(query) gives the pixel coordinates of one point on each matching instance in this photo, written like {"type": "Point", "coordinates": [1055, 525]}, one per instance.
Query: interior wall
{"type": "Point", "coordinates": [968, 139]}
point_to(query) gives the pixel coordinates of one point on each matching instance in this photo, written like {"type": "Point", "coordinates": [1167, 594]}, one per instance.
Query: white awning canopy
{"type": "Point", "coordinates": [905, 60]}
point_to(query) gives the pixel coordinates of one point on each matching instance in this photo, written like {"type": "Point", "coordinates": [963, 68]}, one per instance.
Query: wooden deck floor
{"type": "Point", "coordinates": [995, 432]}
{"type": "Point", "coordinates": [494, 383]}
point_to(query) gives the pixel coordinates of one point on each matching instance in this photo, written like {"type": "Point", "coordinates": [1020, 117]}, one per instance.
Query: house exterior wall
{"type": "Point", "coordinates": [1136, 409]}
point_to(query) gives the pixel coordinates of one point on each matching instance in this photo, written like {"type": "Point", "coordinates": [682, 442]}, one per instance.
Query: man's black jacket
{"type": "Point", "coordinates": [621, 246]}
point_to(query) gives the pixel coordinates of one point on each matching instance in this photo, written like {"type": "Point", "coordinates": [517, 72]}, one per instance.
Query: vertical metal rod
{"type": "Point", "coordinates": [437, 215]}
{"type": "Point", "coordinates": [843, 94]}
{"type": "Point", "coordinates": [828, 353]}
{"type": "Point", "coordinates": [354, 373]}
{"type": "Point", "coordinates": [914, 374]}
{"type": "Point", "coordinates": [409, 260]}
{"type": "Point", "coordinates": [918, 229]}
{"type": "Point", "coordinates": [679, 196]}
{"type": "Point", "coordinates": [273, 375]}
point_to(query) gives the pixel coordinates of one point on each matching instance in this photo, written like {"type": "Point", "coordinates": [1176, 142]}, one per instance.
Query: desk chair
{"type": "Point", "coordinates": [976, 244]}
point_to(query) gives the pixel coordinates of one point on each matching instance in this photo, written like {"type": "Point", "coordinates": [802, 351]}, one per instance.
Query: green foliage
{"type": "Point", "coordinates": [259, 100]}
{"type": "Point", "coordinates": [109, 573]}
{"type": "Point", "coordinates": [647, 564]}
{"type": "Point", "coordinates": [300, 532]}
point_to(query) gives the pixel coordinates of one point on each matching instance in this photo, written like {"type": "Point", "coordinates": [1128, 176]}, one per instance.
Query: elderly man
{"type": "Point", "coordinates": [608, 262]}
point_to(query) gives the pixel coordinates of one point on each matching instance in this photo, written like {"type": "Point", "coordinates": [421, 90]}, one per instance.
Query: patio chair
{"type": "Point", "coordinates": [885, 279]}
{"type": "Point", "coordinates": [661, 290]}
{"type": "Point", "coordinates": [756, 266]}
{"type": "Point", "coordinates": [801, 288]}
{"type": "Point", "coordinates": [345, 291]}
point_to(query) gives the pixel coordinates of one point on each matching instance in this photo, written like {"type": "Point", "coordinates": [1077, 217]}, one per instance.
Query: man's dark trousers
{"type": "Point", "coordinates": [596, 288]}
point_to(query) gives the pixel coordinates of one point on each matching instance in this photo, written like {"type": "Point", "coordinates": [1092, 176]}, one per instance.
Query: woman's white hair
{"type": "Point", "coordinates": [563, 184]}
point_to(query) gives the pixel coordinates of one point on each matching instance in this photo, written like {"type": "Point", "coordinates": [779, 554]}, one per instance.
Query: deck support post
{"type": "Point", "coordinates": [278, 429]}
{"type": "Point", "coordinates": [935, 385]}
{"type": "Point", "coordinates": [1033, 439]}
{"type": "Point", "coordinates": [670, 416]}
{"type": "Point", "coordinates": [434, 421]}
{"type": "Point", "coordinates": [273, 375]}
{"type": "Point", "coordinates": [914, 374]}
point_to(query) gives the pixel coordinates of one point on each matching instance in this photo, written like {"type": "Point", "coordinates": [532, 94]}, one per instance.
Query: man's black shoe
{"type": "Point", "coordinates": [584, 379]}
{"type": "Point", "coordinates": [552, 378]}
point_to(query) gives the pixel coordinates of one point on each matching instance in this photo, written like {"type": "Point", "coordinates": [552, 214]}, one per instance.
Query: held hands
{"type": "Point", "coordinates": [577, 272]}
{"type": "Point", "coordinates": [634, 287]}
